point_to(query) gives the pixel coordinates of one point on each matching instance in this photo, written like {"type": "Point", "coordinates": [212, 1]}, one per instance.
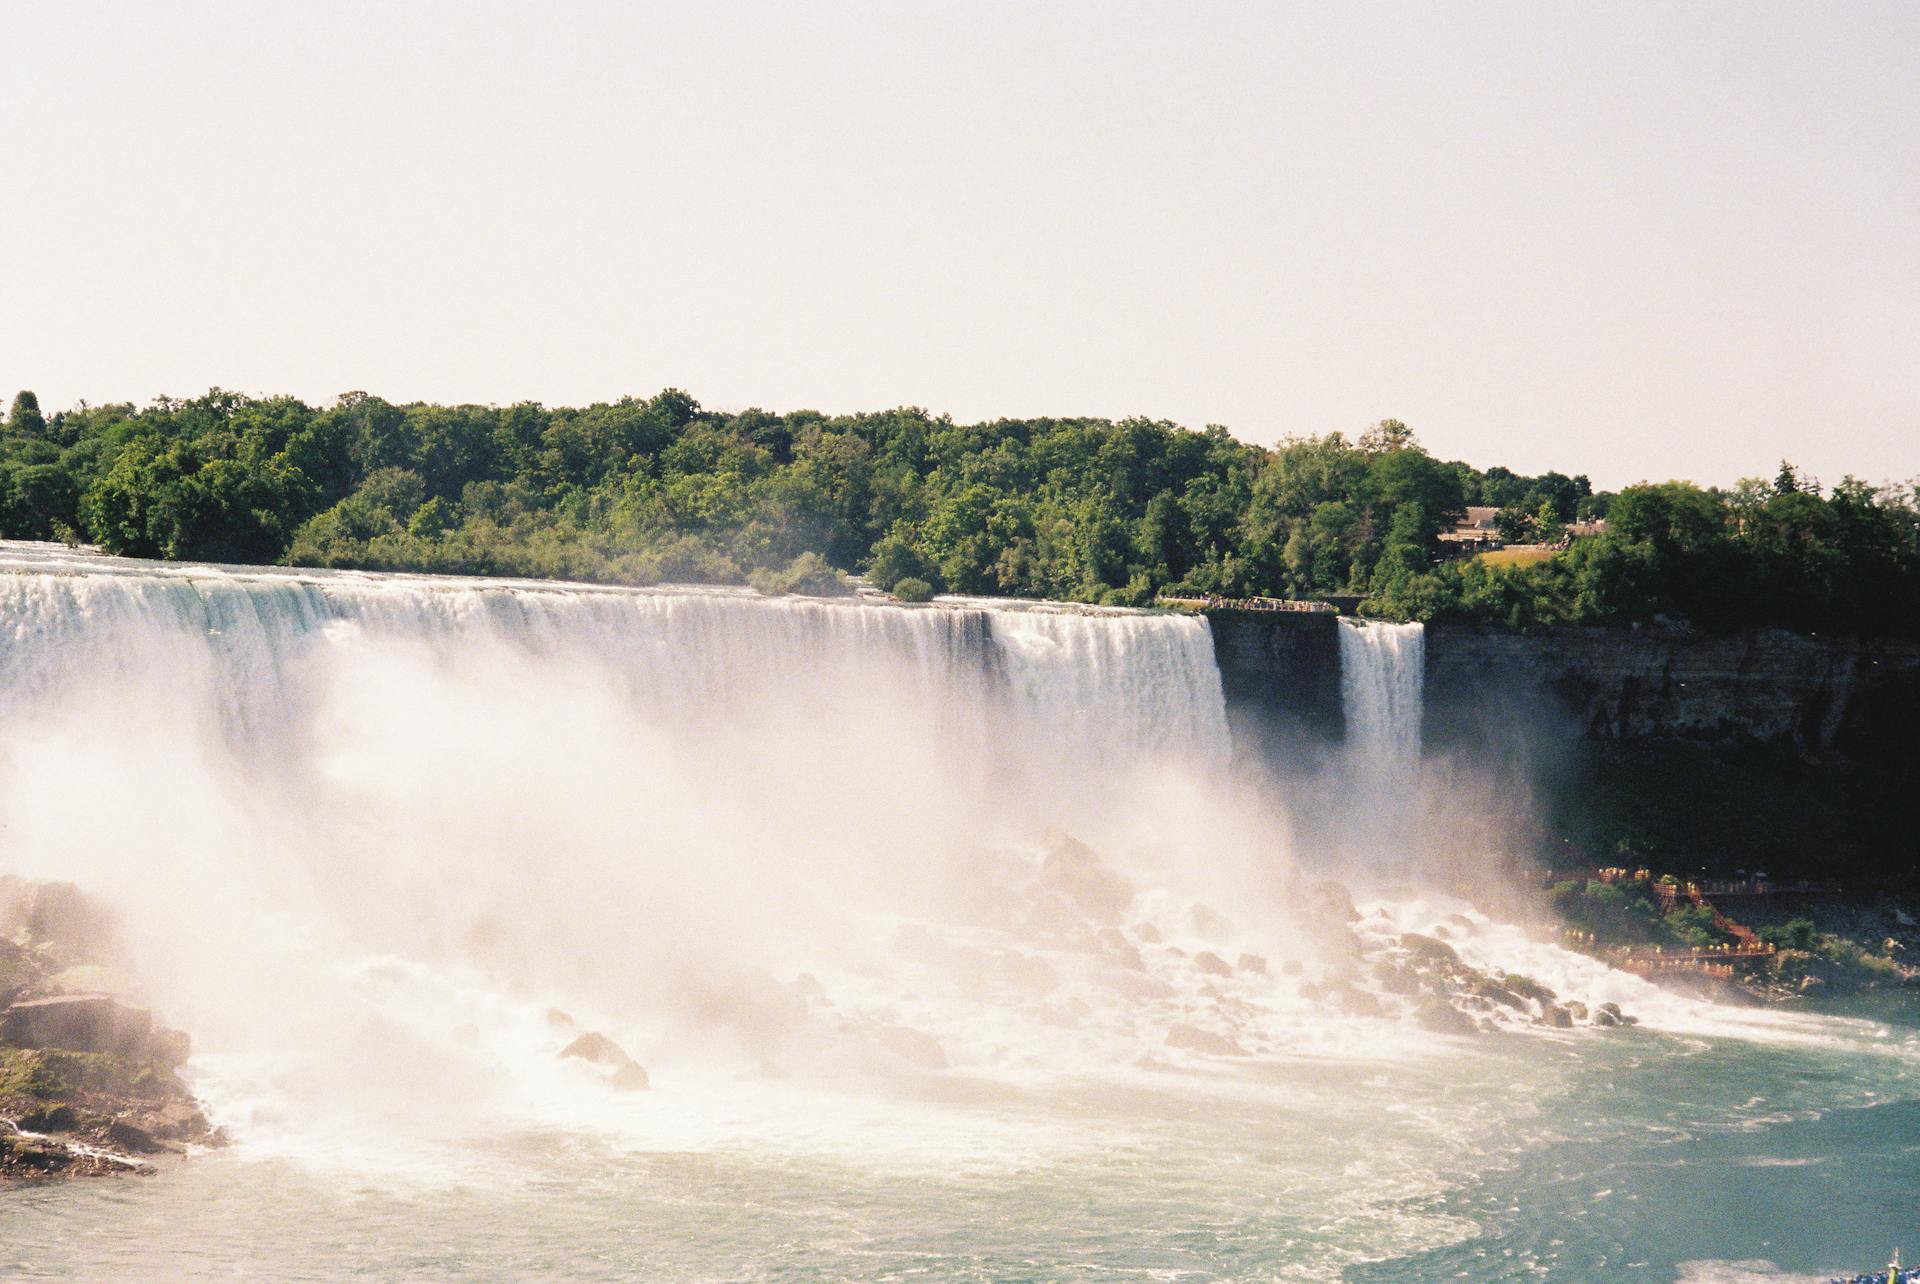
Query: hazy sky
{"type": "Point", "coordinates": [1632, 240]}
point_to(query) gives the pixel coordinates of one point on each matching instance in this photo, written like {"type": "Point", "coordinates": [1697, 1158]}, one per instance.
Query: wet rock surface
{"type": "Point", "coordinates": [1455, 997]}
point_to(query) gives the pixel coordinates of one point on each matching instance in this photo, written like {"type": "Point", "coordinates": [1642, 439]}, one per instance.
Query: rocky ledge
{"type": "Point", "coordinates": [1453, 997]}
{"type": "Point", "coordinates": [87, 1079]}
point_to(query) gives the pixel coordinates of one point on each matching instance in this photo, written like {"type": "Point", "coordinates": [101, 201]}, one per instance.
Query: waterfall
{"type": "Point", "coordinates": [345, 815]}
{"type": "Point", "coordinates": [1382, 671]}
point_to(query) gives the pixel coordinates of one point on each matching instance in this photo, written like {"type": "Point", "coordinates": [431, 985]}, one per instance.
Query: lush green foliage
{"type": "Point", "coordinates": [1628, 913]}
{"type": "Point", "coordinates": [1777, 553]}
{"type": "Point", "coordinates": [1615, 913]}
{"type": "Point", "coordinates": [1796, 934]}
{"type": "Point", "coordinates": [1084, 509]}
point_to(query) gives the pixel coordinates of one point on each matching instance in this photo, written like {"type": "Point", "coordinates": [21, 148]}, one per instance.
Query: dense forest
{"type": "Point", "coordinates": [646, 491]}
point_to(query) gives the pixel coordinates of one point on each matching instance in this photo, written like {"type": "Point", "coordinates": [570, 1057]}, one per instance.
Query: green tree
{"type": "Point", "coordinates": [25, 420]}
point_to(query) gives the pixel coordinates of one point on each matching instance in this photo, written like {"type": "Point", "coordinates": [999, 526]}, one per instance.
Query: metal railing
{"type": "Point", "coordinates": [1210, 602]}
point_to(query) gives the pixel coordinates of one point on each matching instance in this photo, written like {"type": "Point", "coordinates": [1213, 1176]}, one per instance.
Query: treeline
{"type": "Point", "coordinates": [645, 491]}
{"type": "Point", "coordinates": [1780, 553]}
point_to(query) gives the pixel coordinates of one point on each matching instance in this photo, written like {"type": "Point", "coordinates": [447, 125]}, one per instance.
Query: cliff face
{"type": "Point", "coordinates": [1280, 673]}
{"type": "Point", "coordinates": [1818, 695]}
{"type": "Point", "coordinates": [1661, 744]}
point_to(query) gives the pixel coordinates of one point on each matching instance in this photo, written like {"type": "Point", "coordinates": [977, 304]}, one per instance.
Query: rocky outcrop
{"type": "Point", "coordinates": [1072, 870]}
{"type": "Point", "coordinates": [90, 1023]}
{"type": "Point", "coordinates": [1192, 1038]}
{"type": "Point", "coordinates": [1454, 997]}
{"type": "Point", "coordinates": [623, 1072]}
{"type": "Point", "coordinates": [914, 1047]}
{"type": "Point", "coordinates": [87, 1081]}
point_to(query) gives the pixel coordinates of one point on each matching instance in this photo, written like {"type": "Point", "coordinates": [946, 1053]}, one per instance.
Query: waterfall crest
{"type": "Point", "coordinates": [1109, 681]}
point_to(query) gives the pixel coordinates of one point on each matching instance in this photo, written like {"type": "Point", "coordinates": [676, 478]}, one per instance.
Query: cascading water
{"type": "Point", "coordinates": [406, 806]}
{"type": "Point", "coordinates": [365, 831]}
{"type": "Point", "coordinates": [1382, 677]}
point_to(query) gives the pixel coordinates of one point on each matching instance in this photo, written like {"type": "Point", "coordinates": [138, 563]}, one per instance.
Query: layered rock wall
{"type": "Point", "coordinates": [1280, 673]}
{"type": "Point", "coordinates": [1819, 695]}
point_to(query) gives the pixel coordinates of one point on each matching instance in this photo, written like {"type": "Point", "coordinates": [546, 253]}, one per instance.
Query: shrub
{"type": "Point", "coordinates": [809, 575]}
{"type": "Point", "coordinates": [1850, 958]}
{"type": "Point", "coordinates": [1693, 926]}
{"type": "Point", "coordinates": [1795, 935]}
{"type": "Point", "coordinates": [913, 589]}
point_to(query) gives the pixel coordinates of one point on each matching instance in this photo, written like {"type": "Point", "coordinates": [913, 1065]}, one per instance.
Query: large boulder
{"type": "Point", "coordinates": [1072, 870]}
{"type": "Point", "coordinates": [1194, 1039]}
{"type": "Point", "coordinates": [1352, 1000]}
{"type": "Point", "coordinates": [1395, 979]}
{"type": "Point", "coordinates": [1440, 1016]}
{"type": "Point", "coordinates": [628, 1075]}
{"type": "Point", "coordinates": [169, 1047]}
{"type": "Point", "coordinates": [1212, 964]}
{"type": "Point", "coordinates": [1494, 992]}
{"type": "Point", "coordinates": [915, 1047]}
{"type": "Point", "coordinates": [1528, 988]}
{"type": "Point", "coordinates": [1330, 900]}
{"type": "Point", "coordinates": [1428, 949]}
{"type": "Point", "coordinates": [80, 1023]}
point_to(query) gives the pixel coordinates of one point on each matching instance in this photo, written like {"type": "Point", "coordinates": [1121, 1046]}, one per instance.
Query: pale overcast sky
{"type": "Point", "coordinates": [1639, 241]}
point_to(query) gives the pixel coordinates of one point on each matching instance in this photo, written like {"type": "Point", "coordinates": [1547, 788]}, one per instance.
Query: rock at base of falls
{"type": "Point", "coordinates": [915, 1047]}
{"type": "Point", "coordinates": [597, 1049]}
{"type": "Point", "coordinates": [1193, 1039]}
{"type": "Point", "coordinates": [87, 1083]}
{"type": "Point", "coordinates": [1212, 964]}
{"type": "Point", "coordinates": [1459, 998]}
{"type": "Point", "coordinates": [1440, 1016]}
{"type": "Point", "coordinates": [91, 1023]}
{"type": "Point", "coordinates": [1073, 870]}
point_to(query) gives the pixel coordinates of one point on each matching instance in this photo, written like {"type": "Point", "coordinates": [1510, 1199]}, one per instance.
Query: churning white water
{"type": "Point", "coordinates": [948, 943]}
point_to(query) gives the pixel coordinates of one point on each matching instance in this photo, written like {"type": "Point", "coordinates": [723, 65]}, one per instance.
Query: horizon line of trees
{"type": "Point", "coordinates": [660, 489]}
